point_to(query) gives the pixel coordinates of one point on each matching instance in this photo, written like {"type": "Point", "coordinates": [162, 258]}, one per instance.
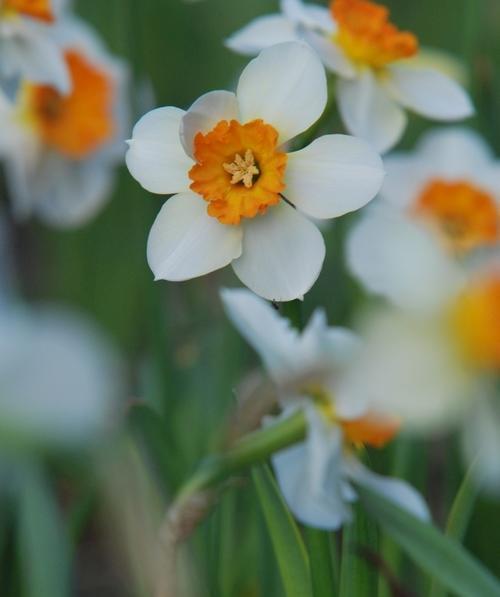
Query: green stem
{"type": "Point", "coordinates": [252, 449]}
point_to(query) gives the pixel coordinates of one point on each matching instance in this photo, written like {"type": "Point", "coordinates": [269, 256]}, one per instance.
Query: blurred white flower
{"type": "Point", "coordinates": [226, 159]}
{"type": "Point", "coordinates": [317, 476]}
{"type": "Point", "coordinates": [439, 206]}
{"type": "Point", "coordinates": [28, 47]}
{"type": "Point", "coordinates": [59, 379]}
{"type": "Point", "coordinates": [377, 80]}
{"type": "Point", "coordinates": [60, 150]}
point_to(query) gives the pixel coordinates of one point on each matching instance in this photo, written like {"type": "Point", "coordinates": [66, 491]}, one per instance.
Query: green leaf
{"type": "Point", "coordinates": [323, 562]}
{"type": "Point", "coordinates": [43, 544]}
{"type": "Point", "coordinates": [458, 518]}
{"type": "Point", "coordinates": [285, 536]}
{"type": "Point", "coordinates": [437, 554]}
{"type": "Point", "coordinates": [358, 576]}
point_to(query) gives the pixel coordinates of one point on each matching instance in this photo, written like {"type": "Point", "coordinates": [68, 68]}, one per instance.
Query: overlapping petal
{"type": "Point", "coordinates": [185, 242]}
{"type": "Point", "coordinates": [261, 33]}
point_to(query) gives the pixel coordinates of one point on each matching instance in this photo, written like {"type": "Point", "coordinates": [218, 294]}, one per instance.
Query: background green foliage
{"type": "Point", "coordinates": [184, 359]}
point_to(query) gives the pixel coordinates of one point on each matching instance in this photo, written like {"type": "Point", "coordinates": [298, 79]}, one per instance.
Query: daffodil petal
{"type": "Point", "coordinates": [368, 111]}
{"type": "Point", "coordinates": [309, 15]}
{"type": "Point", "coordinates": [430, 93]}
{"type": "Point", "coordinates": [330, 53]}
{"type": "Point", "coordinates": [310, 475]}
{"type": "Point", "coordinates": [398, 492]}
{"type": "Point", "coordinates": [286, 87]}
{"type": "Point", "coordinates": [261, 33]}
{"type": "Point", "coordinates": [282, 254]}
{"type": "Point", "coordinates": [270, 334]}
{"type": "Point", "coordinates": [399, 259]}
{"type": "Point", "coordinates": [334, 175]}
{"type": "Point", "coordinates": [155, 157]}
{"type": "Point", "coordinates": [185, 242]}
{"type": "Point", "coordinates": [205, 113]}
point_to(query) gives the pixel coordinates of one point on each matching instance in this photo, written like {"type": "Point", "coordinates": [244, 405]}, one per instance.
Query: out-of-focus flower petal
{"type": "Point", "coordinates": [282, 254]}
{"type": "Point", "coordinates": [286, 87]}
{"type": "Point", "coordinates": [310, 15]}
{"type": "Point", "coordinates": [261, 33]}
{"type": "Point", "coordinates": [334, 175]}
{"type": "Point", "coordinates": [156, 158]}
{"type": "Point", "coordinates": [368, 111]}
{"type": "Point", "coordinates": [331, 55]}
{"type": "Point", "coordinates": [309, 475]}
{"type": "Point", "coordinates": [400, 493]}
{"type": "Point", "coordinates": [402, 261]}
{"type": "Point", "coordinates": [271, 335]}
{"type": "Point", "coordinates": [205, 113]}
{"type": "Point", "coordinates": [429, 93]}
{"type": "Point", "coordinates": [185, 242]}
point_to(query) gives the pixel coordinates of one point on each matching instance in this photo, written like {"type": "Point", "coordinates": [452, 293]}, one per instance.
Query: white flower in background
{"type": "Point", "coordinates": [28, 47]}
{"type": "Point", "coordinates": [434, 360]}
{"type": "Point", "coordinates": [318, 476]}
{"type": "Point", "coordinates": [241, 198]}
{"type": "Point", "coordinates": [61, 150]}
{"type": "Point", "coordinates": [379, 74]}
{"type": "Point", "coordinates": [438, 202]}
{"type": "Point", "coordinates": [59, 379]}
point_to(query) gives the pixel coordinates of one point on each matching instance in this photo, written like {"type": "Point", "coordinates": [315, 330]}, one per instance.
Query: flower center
{"type": "Point", "coordinates": [77, 124]}
{"type": "Point", "coordinates": [36, 9]}
{"type": "Point", "coordinates": [243, 169]}
{"type": "Point", "coordinates": [370, 430]}
{"type": "Point", "coordinates": [367, 36]}
{"type": "Point", "coordinates": [465, 216]}
{"type": "Point", "coordinates": [239, 170]}
{"type": "Point", "coordinates": [476, 322]}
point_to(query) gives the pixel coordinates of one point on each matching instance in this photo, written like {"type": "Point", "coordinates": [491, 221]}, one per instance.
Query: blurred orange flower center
{"type": "Point", "coordinates": [465, 216]}
{"type": "Point", "coordinates": [239, 169]}
{"type": "Point", "coordinates": [370, 430]}
{"type": "Point", "coordinates": [476, 321]}
{"type": "Point", "coordinates": [77, 124]}
{"type": "Point", "coordinates": [367, 36]}
{"type": "Point", "coordinates": [37, 9]}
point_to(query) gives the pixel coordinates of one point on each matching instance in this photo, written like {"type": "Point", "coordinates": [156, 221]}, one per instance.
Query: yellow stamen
{"type": "Point", "coordinates": [243, 169]}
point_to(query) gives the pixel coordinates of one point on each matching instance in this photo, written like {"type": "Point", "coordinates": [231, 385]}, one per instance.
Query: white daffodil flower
{"type": "Point", "coordinates": [241, 198]}
{"type": "Point", "coordinates": [28, 47]}
{"type": "Point", "coordinates": [59, 379]}
{"type": "Point", "coordinates": [61, 150]}
{"type": "Point", "coordinates": [440, 201]}
{"type": "Point", "coordinates": [378, 68]}
{"type": "Point", "coordinates": [318, 476]}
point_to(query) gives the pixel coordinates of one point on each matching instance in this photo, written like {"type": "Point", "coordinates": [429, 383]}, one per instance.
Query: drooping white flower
{"type": "Point", "coordinates": [241, 199]}
{"type": "Point", "coordinates": [379, 76]}
{"type": "Point", "coordinates": [318, 476]}
{"type": "Point", "coordinates": [28, 47]}
{"type": "Point", "coordinates": [60, 150]}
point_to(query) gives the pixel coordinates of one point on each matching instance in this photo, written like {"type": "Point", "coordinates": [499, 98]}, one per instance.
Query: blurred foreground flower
{"type": "Point", "coordinates": [28, 47]}
{"type": "Point", "coordinates": [317, 475]}
{"type": "Point", "coordinates": [59, 379]}
{"type": "Point", "coordinates": [356, 41]}
{"type": "Point", "coordinates": [237, 185]}
{"type": "Point", "coordinates": [61, 150]}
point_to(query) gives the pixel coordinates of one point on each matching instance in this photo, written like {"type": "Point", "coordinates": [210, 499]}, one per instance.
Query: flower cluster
{"type": "Point", "coordinates": [250, 181]}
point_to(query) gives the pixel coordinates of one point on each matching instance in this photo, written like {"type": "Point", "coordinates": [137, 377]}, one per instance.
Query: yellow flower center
{"type": "Point", "coordinates": [77, 124]}
{"type": "Point", "coordinates": [475, 321]}
{"type": "Point", "coordinates": [367, 36]}
{"type": "Point", "coordinates": [239, 170]}
{"type": "Point", "coordinates": [370, 430]}
{"type": "Point", "coordinates": [36, 9]}
{"type": "Point", "coordinates": [465, 216]}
